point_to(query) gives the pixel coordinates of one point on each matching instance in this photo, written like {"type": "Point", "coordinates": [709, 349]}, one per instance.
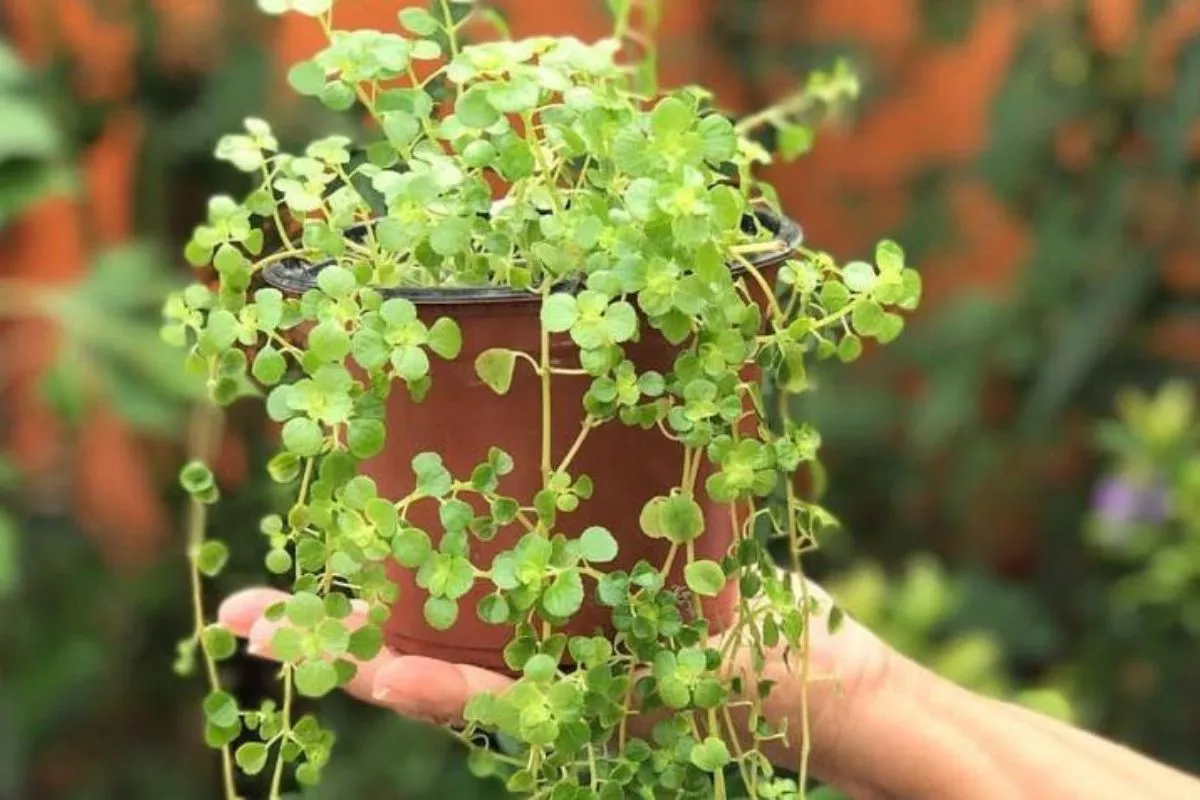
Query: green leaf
{"type": "Point", "coordinates": [307, 78]}
{"type": "Point", "coordinates": [433, 479]}
{"type": "Point", "coordinates": [411, 547]}
{"type": "Point", "coordinates": [718, 138]}
{"type": "Point", "coordinates": [456, 515]}
{"type": "Point", "coordinates": [303, 437]}
{"type": "Point", "coordinates": [849, 348]}
{"type": "Point", "coordinates": [445, 338]}
{"type": "Point", "coordinates": [451, 236]}
{"type": "Point", "coordinates": [304, 610]}
{"type": "Point", "coordinates": [218, 642]}
{"type": "Point", "coordinates": [495, 368]}
{"type": "Point", "coordinates": [212, 558]}
{"type": "Point", "coordinates": [564, 596]}
{"type": "Point", "coordinates": [441, 613]}
{"type": "Point", "coordinates": [419, 21]}
{"type": "Point", "coordinates": [859, 276]}
{"type": "Point", "coordinates": [674, 692]}
{"type": "Point", "coordinates": [889, 257]}
{"type": "Point", "coordinates": [868, 318]}
{"type": "Point", "coordinates": [711, 755]}
{"type": "Point", "coordinates": [370, 349]}
{"type": "Point", "coordinates": [316, 678]}
{"type": "Point", "coordinates": [278, 562]}
{"type": "Point", "coordinates": [336, 281]}
{"type": "Point", "coordinates": [269, 366]}
{"type": "Point", "coordinates": [251, 757]}
{"type": "Point", "coordinates": [475, 110]}
{"type": "Point", "coordinates": [709, 693]}
{"type": "Point", "coordinates": [671, 117]}
{"type": "Point", "coordinates": [333, 637]}
{"type": "Point", "coordinates": [329, 341]}
{"type": "Point", "coordinates": [795, 141]}
{"type": "Point", "coordinates": [704, 578]}
{"type": "Point", "coordinates": [493, 609]}
{"type": "Point", "coordinates": [220, 709]}
{"type": "Point", "coordinates": [196, 478]}
{"type": "Point", "coordinates": [597, 545]}
{"type": "Point", "coordinates": [410, 362]}
{"type": "Point", "coordinates": [620, 320]}
{"type": "Point", "coordinates": [287, 645]}
{"type": "Point", "coordinates": [541, 668]}
{"type": "Point", "coordinates": [366, 642]}
{"type": "Point", "coordinates": [400, 127]}
{"type": "Point", "coordinates": [559, 312]}
{"type": "Point", "coordinates": [677, 517]}
{"type": "Point", "coordinates": [366, 438]}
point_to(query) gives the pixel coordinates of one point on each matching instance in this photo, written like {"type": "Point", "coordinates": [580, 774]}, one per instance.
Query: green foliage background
{"type": "Point", "coordinates": [89, 707]}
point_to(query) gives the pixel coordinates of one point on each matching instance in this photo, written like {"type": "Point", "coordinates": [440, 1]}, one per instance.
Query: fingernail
{"type": "Point", "coordinates": [255, 648]}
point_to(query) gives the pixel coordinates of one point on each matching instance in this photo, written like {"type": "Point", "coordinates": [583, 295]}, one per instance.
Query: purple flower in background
{"type": "Point", "coordinates": [1120, 501]}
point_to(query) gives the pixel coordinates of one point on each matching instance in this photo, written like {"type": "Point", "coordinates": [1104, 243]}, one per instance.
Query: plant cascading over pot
{"type": "Point", "coordinates": [530, 347]}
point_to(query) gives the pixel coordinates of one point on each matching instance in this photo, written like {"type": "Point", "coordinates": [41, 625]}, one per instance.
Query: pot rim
{"type": "Point", "coordinates": [296, 276]}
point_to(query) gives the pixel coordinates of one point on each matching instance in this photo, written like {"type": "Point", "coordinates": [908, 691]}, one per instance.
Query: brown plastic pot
{"type": "Point", "coordinates": [461, 419]}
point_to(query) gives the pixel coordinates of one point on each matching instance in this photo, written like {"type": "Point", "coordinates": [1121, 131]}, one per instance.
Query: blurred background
{"type": "Point", "coordinates": [1019, 474]}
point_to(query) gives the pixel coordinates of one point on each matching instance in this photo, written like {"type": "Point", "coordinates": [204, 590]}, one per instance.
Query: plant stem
{"type": "Point", "coordinates": [205, 425]}
{"type": "Point", "coordinates": [451, 31]}
{"type": "Point", "coordinates": [719, 776]}
{"type": "Point", "coordinates": [285, 731]}
{"type": "Point", "coordinates": [544, 374]}
{"type": "Point", "coordinates": [797, 569]}
{"type": "Point", "coordinates": [584, 430]}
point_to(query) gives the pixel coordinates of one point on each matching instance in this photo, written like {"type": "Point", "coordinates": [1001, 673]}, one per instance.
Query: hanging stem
{"type": "Point", "coordinates": [205, 429]}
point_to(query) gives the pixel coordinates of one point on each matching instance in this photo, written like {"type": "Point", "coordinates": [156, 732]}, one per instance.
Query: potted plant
{"type": "Point", "coordinates": [531, 352]}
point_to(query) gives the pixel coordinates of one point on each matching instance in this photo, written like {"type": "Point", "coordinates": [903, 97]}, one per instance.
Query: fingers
{"type": "Point", "coordinates": [432, 690]}
{"type": "Point", "coordinates": [423, 688]}
{"type": "Point", "coordinates": [241, 610]}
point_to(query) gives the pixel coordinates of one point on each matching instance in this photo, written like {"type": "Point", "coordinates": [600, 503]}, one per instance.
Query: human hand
{"type": "Point", "coordinates": [843, 670]}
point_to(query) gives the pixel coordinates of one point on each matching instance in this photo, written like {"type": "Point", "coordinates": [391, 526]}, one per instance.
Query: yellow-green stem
{"type": "Point", "coordinates": [206, 423]}
{"type": "Point", "coordinates": [284, 733]}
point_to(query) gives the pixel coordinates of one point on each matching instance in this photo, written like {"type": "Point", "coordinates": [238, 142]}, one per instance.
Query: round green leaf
{"type": "Point", "coordinates": [704, 578]}
{"type": "Point", "coordinates": [475, 110]}
{"type": "Point", "coordinates": [495, 368]}
{"type": "Point", "coordinates": [303, 437]}
{"type": "Point", "coordinates": [441, 613]}
{"type": "Point", "coordinates": [251, 757]}
{"type": "Point", "coordinates": [410, 362]}
{"type": "Point", "coordinates": [305, 610]}
{"type": "Point", "coordinates": [711, 755]}
{"type": "Point", "coordinates": [218, 642]}
{"type": "Point", "coordinates": [212, 558]}
{"type": "Point", "coordinates": [316, 678]}
{"type": "Point", "coordinates": [329, 341]}
{"type": "Point", "coordinates": [419, 21]}
{"type": "Point", "coordinates": [366, 438]}
{"type": "Point", "coordinates": [493, 609]}
{"type": "Point", "coordinates": [541, 668]}
{"type": "Point", "coordinates": [269, 366]}
{"type": "Point", "coordinates": [445, 338]}
{"type": "Point", "coordinates": [559, 312]}
{"type": "Point", "coordinates": [307, 78]}
{"type": "Point", "coordinates": [859, 276]}
{"type": "Point", "coordinates": [196, 477]}
{"type": "Point", "coordinates": [597, 545]}
{"type": "Point", "coordinates": [411, 547]}
{"type": "Point", "coordinates": [564, 596]}
{"type": "Point", "coordinates": [366, 642]}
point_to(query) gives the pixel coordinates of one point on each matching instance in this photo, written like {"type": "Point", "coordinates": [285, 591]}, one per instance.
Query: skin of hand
{"type": "Point", "coordinates": [880, 725]}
